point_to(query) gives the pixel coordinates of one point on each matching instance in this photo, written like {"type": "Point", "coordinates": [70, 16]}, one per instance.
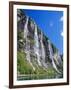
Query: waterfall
{"type": "Point", "coordinates": [36, 46]}
{"type": "Point", "coordinates": [27, 47]}
{"type": "Point", "coordinates": [42, 47]}
{"type": "Point", "coordinates": [43, 51]}
{"type": "Point", "coordinates": [51, 56]}
{"type": "Point", "coordinates": [59, 59]}
{"type": "Point", "coordinates": [25, 28]}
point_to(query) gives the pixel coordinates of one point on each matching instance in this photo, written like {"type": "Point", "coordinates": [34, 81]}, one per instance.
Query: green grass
{"type": "Point", "coordinates": [24, 68]}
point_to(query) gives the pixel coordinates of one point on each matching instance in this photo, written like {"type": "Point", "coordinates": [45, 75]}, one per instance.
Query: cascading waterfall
{"type": "Point", "coordinates": [27, 48]}
{"type": "Point", "coordinates": [43, 51]}
{"type": "Point", "coordinates": [36, 46]}
{"type": "Point", "coordinates": [59, 59]}
{"type": "Point", "coordinates": [25, 37]}
{"type": "Point", "coordinates": [51, 56]}
{"type": "Point", "coordinates": [42, 47]}
{"type": "Point", "coordinates": [25, 28]}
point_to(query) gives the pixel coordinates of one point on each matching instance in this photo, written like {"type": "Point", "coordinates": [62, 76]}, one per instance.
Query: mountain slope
{"type": "Point", "coordinates": [36, 54]}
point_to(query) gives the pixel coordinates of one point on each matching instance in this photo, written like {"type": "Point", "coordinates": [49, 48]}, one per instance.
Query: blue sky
{"type": "Point", "coordinates": [51, 23]}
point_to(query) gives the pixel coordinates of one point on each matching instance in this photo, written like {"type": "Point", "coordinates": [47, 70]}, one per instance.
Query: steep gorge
{"type": "Point", "coordinates": [40, 54]}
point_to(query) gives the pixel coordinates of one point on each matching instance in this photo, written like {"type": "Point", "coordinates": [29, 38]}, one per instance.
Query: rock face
{"type": "Point", "coordinates": [39, 51]}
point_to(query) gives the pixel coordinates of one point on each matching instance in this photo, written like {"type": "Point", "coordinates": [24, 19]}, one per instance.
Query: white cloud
{"type": "Point", "coordinates": [61, 19]}
{"type": "Point", "coordinates": [62, 33]}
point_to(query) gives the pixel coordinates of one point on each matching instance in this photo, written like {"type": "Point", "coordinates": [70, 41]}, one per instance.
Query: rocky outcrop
{"type": "Point", "coordinates": [40, 52]}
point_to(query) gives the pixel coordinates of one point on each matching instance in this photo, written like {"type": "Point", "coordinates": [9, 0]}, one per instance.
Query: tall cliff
{"type": "Point", "coordinates": [35, 48]}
